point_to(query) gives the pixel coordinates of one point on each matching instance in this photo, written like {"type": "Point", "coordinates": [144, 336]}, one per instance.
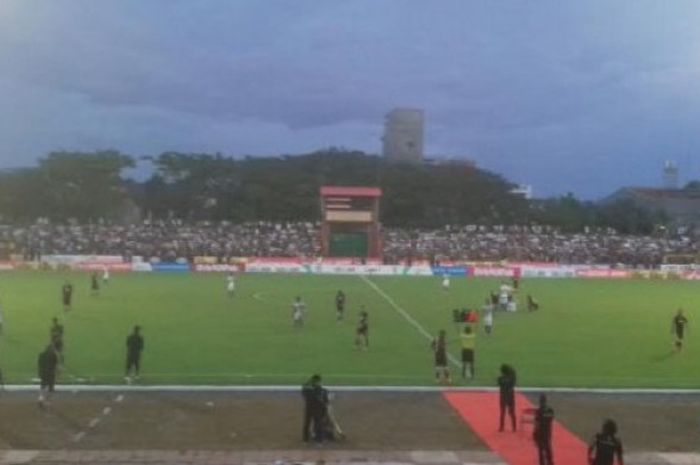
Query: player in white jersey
{"type": "Point", "coordinates": [446, 282]}
{"type": "Point", "coordinates": [488, 316]}
{"type": "Point", "coordinates": [230, 285]}
{"type": "Point", "coordinates": [105, 275]}
{"type": "Point", "coordinates": [298, 311]}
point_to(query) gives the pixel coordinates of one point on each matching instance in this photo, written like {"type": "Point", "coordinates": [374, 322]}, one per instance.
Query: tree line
{"type": "Point", "coordinates": [88, 186]}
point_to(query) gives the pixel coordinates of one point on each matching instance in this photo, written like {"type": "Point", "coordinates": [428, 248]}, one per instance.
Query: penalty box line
{"type": "Point", "coordinates": [407, 316]}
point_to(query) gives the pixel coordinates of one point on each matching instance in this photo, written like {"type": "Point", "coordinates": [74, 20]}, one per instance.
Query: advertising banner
{"type": "Point", "coordinates": [171, 267]}
{"type": "Point", "coordinates": [597, 273]}
{"type": "Point", "coordinates": [449, 270]}
{"type": "Point", "coordinates": [493, 272]}
{"type": "Point", "coordinates": [215, 268]}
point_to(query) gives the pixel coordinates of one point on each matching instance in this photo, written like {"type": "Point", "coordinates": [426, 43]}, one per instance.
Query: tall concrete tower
{"type": "Point", "coordinates": [403, 135]}
{"type": "Point", "coordinates": [670, 175]}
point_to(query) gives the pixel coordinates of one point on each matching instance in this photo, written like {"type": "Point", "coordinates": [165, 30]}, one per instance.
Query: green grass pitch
{"type": "Point", "coordinates": [589, 333]}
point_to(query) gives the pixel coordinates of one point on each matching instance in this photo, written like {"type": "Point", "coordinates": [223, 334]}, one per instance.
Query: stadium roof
{"type": "Point", "coordinates": [351, 191]}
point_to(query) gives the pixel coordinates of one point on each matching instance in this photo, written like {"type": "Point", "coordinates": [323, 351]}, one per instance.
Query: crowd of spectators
{"type": "Point", "coordinates": [534, 244]}
{"type": "Point", "coordinates": [170, 240]}
{"type": "Point", "coordinates": [166, 240]}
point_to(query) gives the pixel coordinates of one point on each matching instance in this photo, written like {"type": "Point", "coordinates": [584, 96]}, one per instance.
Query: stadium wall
{"type": "Point", "coordinates": [351, 267]}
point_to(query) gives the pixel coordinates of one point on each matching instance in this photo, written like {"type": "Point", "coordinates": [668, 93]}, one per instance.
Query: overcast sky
{"type": "Point", "coordinates": [581, 96]}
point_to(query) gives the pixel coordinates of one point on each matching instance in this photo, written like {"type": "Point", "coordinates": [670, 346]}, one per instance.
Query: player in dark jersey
{"type": "Point", "coordinates": [439, 346]}
{"type": "Point", "coordinates": [94, 284]}
{"type": "Point", "coordinates": [67, 293]}
{"type": "Point", "coordinates": [678, 328]}
{"type": "Point", "coordinates": [340, 305]}
{"type": "Point", "coordinates": [362, 332]}
{"type": "Point", "coordinates": [56, 338]}
{"type": "Point", "coordinates": [542, 434]}
{"type": "Point", "coordinates": [605, 446]}
{"type": "Point", "coordinates": [506, 389]}
{"type": "Point", "coordinates": [134, 347]}
{"type": "Point", "coordinates": [47, 364]}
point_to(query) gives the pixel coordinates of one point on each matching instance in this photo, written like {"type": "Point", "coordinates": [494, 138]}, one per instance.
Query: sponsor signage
{"type": "Point", "coordinates": [172, 267]}
{"type": "Point", "coordinates": [215, 268]}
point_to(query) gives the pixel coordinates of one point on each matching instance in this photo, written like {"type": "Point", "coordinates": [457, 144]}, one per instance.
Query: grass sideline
{"type": "Point", "coordinates": [588, 334]}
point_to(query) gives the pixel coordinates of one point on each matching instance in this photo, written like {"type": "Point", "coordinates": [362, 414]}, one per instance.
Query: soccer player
{"type": "Point", "coordinates": [446, 282]}
{"type": "Point", "coordinates": [488, 316]}
{"type": "Point", "coordinates": [439, 346]}
{"type": "Point", "coordinates": [105, 275]}
{"type": "Point", "coordinates": [134, 347]}
{"type": "Point", "coordinates": [532, 304]}
{"type": "Point", "coordinates": [56, 338]}
{"type": "Point", "coordinates": [605, 446]}
{"type": "Point", "coordinates": [678, 328]}
{"type": "Point", "coordinates": [47, 363]}
{"type": "Point", "coordinates": [298, 311]}
{"type": "Point", "coordinates": [67, 294]}
{"type": "Point", "coordinates": [362, 332]}
{"type": "Point", "coordinates": [542, 433]}
{"type": "Point", "coordinates": [94, 284]}
{"type": "Point", "coordinates": [340, 305]}
{"type": "Point", "coordinates": [506, 389]}
{"type": "Point", "coordinates": [468, 339]}
{"type": "Point", "coordinates": [230, 285]}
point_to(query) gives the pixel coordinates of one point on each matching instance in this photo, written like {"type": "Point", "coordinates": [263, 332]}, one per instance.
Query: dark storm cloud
{"type": "Point", "coordinates": [581, 96]}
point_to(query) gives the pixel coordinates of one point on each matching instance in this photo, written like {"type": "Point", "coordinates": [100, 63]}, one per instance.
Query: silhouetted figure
{"type": "Point", "coordinates": [605, 446]}
{"type": "Point", "coordinates": [544, 416]}
{"type": "Point", "coordinates": [506, 388]}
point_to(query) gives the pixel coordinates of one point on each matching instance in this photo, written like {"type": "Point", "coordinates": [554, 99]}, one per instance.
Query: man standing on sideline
{"type": "Point", "coordinates": [544, 416]}
{"type": "Point", "coordinates": [678, 328]}
{"type": "Point", "coordinates": [468, 339]}
{"type": "Point", "coordinates": [314, 409]}
{"type": "Point", "coordinates": [506, 389]}
{"type": "Point", "coordinates": [605, 446]}
{"type": "Point", "coordinates": [47, 364]}
{"type": "Point", "coordinates": [134, 347]}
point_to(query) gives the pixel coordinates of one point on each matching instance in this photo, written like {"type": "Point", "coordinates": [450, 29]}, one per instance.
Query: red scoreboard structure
{"type": "Point", "coordinates": [350, 222]}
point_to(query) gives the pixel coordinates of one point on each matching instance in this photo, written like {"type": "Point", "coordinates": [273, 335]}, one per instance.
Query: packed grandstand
{"type": "Point", "coordinates": [174, 240]}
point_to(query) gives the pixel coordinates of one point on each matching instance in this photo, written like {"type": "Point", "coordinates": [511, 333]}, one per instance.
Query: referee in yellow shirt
{"type": "Point", "coordinates": [468, 339]}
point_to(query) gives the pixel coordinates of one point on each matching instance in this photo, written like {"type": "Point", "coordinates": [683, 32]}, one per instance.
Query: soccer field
{"type": "Point", "coordinates": [588, 333]}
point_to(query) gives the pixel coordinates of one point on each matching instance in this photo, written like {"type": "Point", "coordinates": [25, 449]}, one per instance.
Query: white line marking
{"type": "Point", "coordinates": [407, 316]}
{"type": "Point", "coordinates": [79, 436]}
{"type": "Point", "coordinates": [119, 398]}
{"type": "Point", "coordinates": [106, 410]}
{"type": "Point", "coordinates": [94, 422]}
{"type": "Point", "coordinates": [341, 388]}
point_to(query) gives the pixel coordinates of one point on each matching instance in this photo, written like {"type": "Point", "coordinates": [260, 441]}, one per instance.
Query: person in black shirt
{"type": "Point", "coordinates": [543, 431]}
{"type": "Point", "coordinates": [340, 305]}
{"type": "Point", "coordinates": [134, 347]}
{"type": "Point", "coordinates": [56, 338]}
{"type": "Point", "coordinates": [605, 446]}
{"type": "Point", "coordinates": [47, 363]}
{"type": "Point", "coordinates": [315, 400]}
{"type": "Point", "coordinates": [94, 284]}
{"type": "Point", "coordinates": [678, 328]}
{"type": "Point", "coordinates": [362, 332]}
{"type": "Point", "coordinates": [67, 293]}
{"type": "Point", "coordinates": [506, 388]}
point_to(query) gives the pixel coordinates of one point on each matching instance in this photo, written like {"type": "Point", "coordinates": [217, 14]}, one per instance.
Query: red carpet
{"type": "Point", "coordinates": [480, 411]}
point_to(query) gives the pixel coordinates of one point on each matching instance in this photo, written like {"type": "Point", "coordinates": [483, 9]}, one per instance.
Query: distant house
{"type": "Point", "coordinates": [681, 205]}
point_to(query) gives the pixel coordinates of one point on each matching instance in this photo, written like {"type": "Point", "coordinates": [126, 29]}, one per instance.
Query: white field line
{"type": "Point", "coordinates": [293, 388]}
{"type": "Point", "coordinates": [407, 316]}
